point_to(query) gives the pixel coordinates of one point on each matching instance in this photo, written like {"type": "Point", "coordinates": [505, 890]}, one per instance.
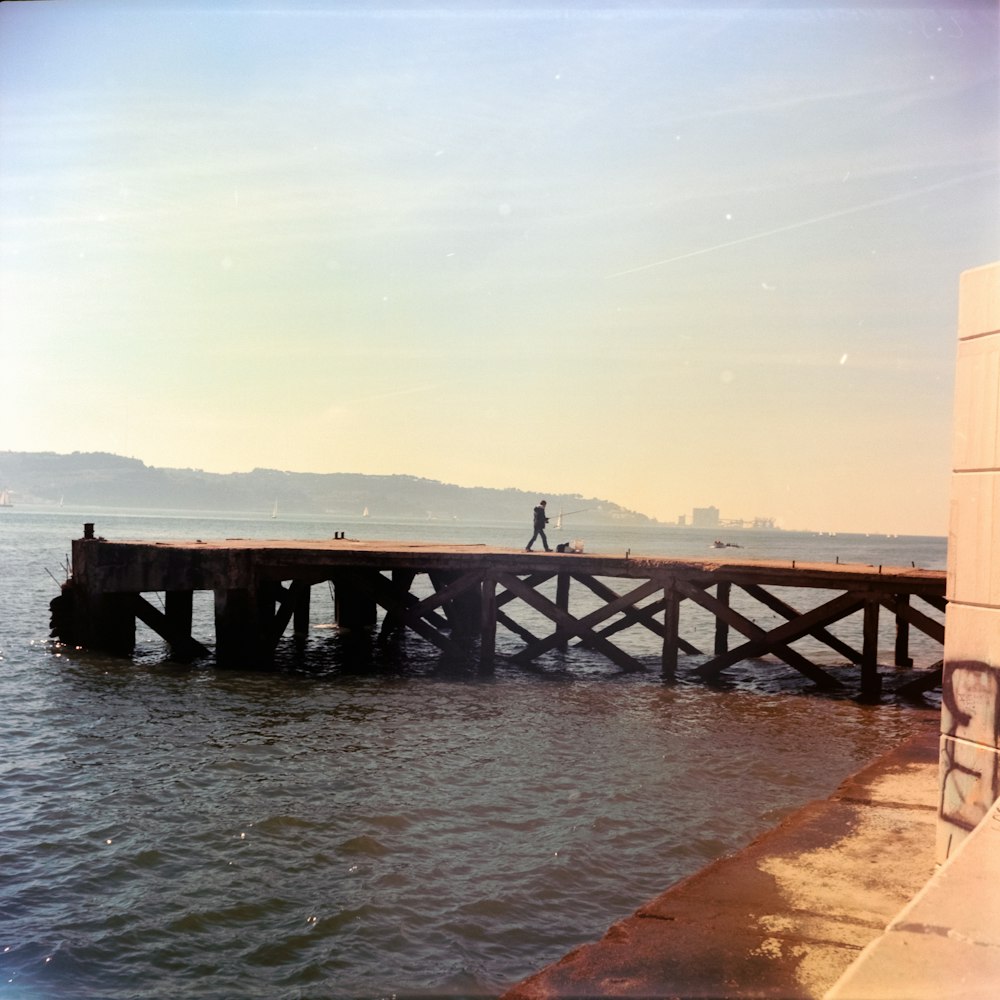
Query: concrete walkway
{"type": "Point", "coordinates": [946, 943]}
{"type": "Point", "coordinates": [786, 916]}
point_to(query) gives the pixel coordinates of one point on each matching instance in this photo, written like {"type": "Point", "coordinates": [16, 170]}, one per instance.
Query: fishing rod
{"type": "Point", "coordinates": [563, 514]}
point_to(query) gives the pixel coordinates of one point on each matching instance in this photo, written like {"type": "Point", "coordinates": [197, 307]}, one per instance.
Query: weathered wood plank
{"type": "Point", "coordinates": [777, 638]}
{"type": "Point", "coordinates": [790, 613]}
{"type": "Point", "coordinates": [516, 627]}
{"type": "Point", "coordinates": [289, 604]}
{"type": "Point", "coordinates": [183, 646]}
{"type": "Point", "coordinates": [646, 615]}
{"type": "Point", "coordinates": [562, 602]}
{"type": "Point", "coordinates": [143, 566]}
{"type": "Point", "coordinates": [871, 682]}
{"type": "Point", "coordinates": [755, 632]}
{"type": "Point", "coordinates": [631, 613]}
{"type": "Point", "coordinates": [488, 622]}
{"type": "Point", "coordinates": [901, 649]}
{"type": "Point", "coordinates": [937, 601]}
{"type": "Point", "coordinates": [925, 681]}
{"type": "Point", "coordinates": [671, 628]}
{"type": "Point", "coordinates": [459, 595]}
{"type": "Point", "coordinates": [390, 596]}
{"type": "Point", "coordinates": [914, 616]}
{"type": "Point", "coordinates": [532, 580]}
{"type": "Point", "coordinates": [580, 627]}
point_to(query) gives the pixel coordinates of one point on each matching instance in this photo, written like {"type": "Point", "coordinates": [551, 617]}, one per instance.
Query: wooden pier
{"type": "Point", "coordinates": [471, 591]}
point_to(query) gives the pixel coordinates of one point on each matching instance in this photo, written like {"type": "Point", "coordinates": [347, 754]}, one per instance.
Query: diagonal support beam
{"type": "Point", "coordinates": [289, 601]}
{"type": "Point", "coordinates": [789, 613]}
{"type": "Point", "coordinates": [392, 597]}
{"type": "Point", "coordinates": [461, 601]}
{"type": "Point", "coordinates": [723, 612]}
{"type": "Point", "coordinates": [182, 644]}
{"type": "Point", "coordinates": [633, 615]}
{"type": "Point", "coordinates": [452, 590]}
{"type": "Point", "coordinates": [927, 680]}
{"type": "Point", "coordinates": [516, 627]}
{"type": "Point", "coordinates": [913, 616]}
{"type": "Point", "coordinates": [395, 603]}
{"type": "Point", "coordinates": [461, 586]}
{"type": "Point", "coordinates": [938, 603]}
{"type": "Point", "coordinates": [776, 641]}
{"type": "Point", "coordinates": [582, 627]}
{"type": "Point", "coordinates": [534, 580]}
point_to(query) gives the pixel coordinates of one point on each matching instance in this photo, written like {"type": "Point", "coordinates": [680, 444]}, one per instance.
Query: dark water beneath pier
{"type": "Point", "coordinates": [326, 831]}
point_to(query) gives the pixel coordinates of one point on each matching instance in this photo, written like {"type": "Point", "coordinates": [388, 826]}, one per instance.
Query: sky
{"type": "Point", "coordinates": [667, 255]}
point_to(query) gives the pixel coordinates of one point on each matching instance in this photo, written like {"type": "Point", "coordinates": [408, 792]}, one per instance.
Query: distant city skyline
{"type": "Point", "coordinates": [712, 517]}
{"type": "Point", "coordinates": [669, 256]}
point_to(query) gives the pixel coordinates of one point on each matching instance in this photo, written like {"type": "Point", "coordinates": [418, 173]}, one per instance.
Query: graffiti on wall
{"type": "Point", "coordinates": [970, 758]}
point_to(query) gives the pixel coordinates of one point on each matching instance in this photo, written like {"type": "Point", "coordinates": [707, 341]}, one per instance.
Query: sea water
{"type": "Point", "coordinates": [377, 827]}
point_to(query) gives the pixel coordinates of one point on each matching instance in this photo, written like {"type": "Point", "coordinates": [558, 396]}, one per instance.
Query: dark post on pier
{"type": "Point", "coordinates": [468, 592]}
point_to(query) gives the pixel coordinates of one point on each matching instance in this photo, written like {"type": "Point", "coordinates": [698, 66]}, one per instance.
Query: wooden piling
{"type": "Point", "coordinates": [671, 632]}
{"type": "Point", "coordinates": [902, 656]}
{"type": "Point", "coordinates": [871, 681]}
{"type": "Point", "coordinates": [562, 602]}
{"type": "Point", "coordinates": [239, 639]}
{"type": "Point", "coordinates": [723, 590]}
{"type": "Point", "coordinates": [488, 623]}
{"type": "Point", "coordinates": [354, 599]}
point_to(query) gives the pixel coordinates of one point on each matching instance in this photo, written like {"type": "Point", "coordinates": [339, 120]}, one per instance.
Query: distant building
{"type": "Point", "coordinates": [705, 517]}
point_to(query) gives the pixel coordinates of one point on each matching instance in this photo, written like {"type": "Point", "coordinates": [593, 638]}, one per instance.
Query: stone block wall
{"type": "Point", "coordinates": [970, 716]}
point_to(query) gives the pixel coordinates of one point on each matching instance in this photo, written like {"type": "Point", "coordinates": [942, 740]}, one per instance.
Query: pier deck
{"type": "Point", "coordinates": [262, 586]}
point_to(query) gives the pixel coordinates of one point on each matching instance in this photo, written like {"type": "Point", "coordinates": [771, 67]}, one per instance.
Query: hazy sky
{"type": "Point", "coordinates": [667, 255]}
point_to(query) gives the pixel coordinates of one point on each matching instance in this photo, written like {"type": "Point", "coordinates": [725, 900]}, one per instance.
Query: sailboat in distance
{"type": "Point", "coordinates": [5, 500]}
{"type": "Point", "coordinates": [274, 513]}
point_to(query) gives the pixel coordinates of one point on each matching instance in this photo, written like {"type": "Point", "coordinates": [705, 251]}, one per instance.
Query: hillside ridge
{"type": "Point", "coordinates": [109, 480]}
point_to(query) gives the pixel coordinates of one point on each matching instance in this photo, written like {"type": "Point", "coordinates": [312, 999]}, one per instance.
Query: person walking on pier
{"type": "Point", "coordinates": [540, 521]}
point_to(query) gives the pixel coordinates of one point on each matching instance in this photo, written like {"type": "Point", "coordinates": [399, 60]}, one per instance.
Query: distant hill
{"type": "Point", "coordinates": [106, 480]}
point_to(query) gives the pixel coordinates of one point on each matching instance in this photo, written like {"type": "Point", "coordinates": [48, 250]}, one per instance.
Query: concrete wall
{"type": "Point", "coordinates": [970, 717]}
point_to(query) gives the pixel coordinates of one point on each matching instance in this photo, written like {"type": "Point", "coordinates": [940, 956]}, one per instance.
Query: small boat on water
{"type": "Point", "coordinates": [5, 500]}
{"type": "Point", "coordinates": [725, 545]}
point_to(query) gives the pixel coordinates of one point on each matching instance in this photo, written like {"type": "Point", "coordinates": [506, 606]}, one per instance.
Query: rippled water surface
{"type": "Point", "coordinates": [328, 831]}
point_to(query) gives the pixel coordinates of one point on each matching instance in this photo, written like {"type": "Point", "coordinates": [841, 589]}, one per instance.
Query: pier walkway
{"type": "Point", "coordinates": [456, 597]}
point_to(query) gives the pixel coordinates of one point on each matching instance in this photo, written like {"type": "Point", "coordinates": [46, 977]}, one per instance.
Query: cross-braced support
{"type": "Point", "coordinates": [548, 602]}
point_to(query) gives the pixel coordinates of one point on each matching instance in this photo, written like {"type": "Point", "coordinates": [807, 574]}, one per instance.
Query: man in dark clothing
{"type": "Point", "coordinates": [540, 521]}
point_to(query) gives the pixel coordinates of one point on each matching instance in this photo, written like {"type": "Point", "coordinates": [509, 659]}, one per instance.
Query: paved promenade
{"type": "Point", "coordinates": [786, 916]}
